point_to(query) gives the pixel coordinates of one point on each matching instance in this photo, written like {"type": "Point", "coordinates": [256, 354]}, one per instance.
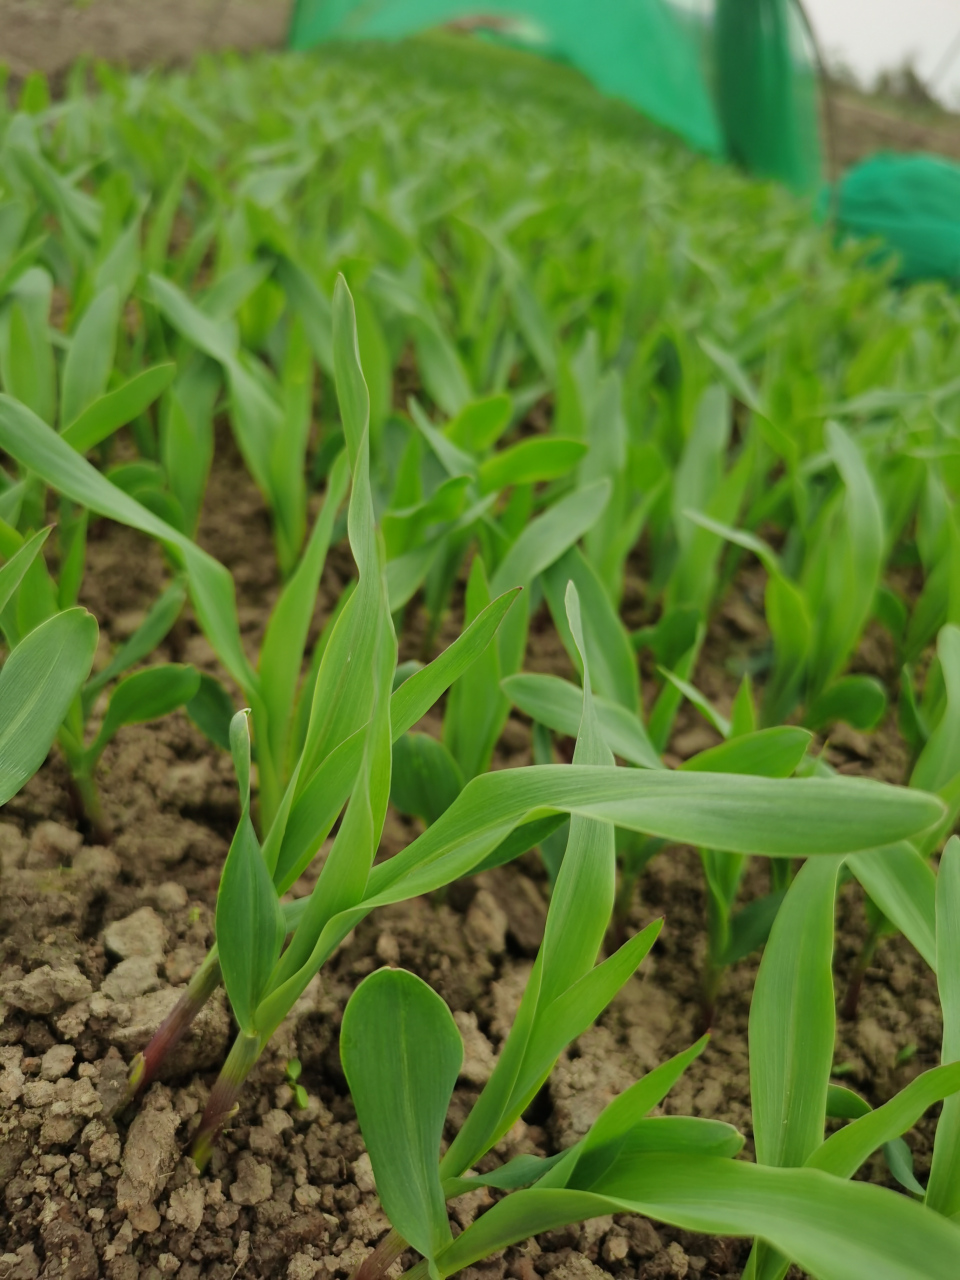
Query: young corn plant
{"type": "Point", "coordinates": [137, 698]}
{"type": "Point", "coordinates": [40, 678]}
{"type": "Point", "coordinates": [402, 1054]}
{"type": "Point", "coordinates": [792, 1031]}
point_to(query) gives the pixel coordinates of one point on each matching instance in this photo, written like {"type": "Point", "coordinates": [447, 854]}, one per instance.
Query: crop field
{"type": "Point", "coordinates": [480, 714]}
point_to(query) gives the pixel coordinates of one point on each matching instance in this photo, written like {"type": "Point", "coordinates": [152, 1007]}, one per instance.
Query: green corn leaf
{"type": "Point", "coordinates": [211, 709]}
{"type": "Point", "coordinates": [249, 922]}
{"type": "Point", "coordinates": [940, 759]}
{"type": "Point", "coordinates": [342, 698]}
{"type": "Point", "coordinates": [156, 625]}
{"type": "Point", "coordinates": [323, 796]}
{"type": "Point", "coordinates": [833, 1228]}
{"type": "Point", "coordinates": [780, 818]}
{"type": "Point", "coordinates": [613, 662]}
{"type": "Point", "coordinates": [564, 983]}
{"type": "Point", "coordinates": [11, 575]}
{"type": "Point", "coordinates": [480, 424]}
{"type": "Point", "coordinates": [943, 1190]}
{"type": "Point", "coordinates": [89, 361]}
{"type": "Point", "coordinates": [521, 1171]}
{"type": "Point", "coordinates": [792, 1021]}
{"type": "Point", "coordinates": [604, 1140]}
{"type": "Point", "coordinates": [416, 696]}
{"type": "Point", "coordinates": [401, 1054]}
{"type": "Point", "coordinates": [476, 708]}
{"type": "Point", "coordinates": [146, 695]}
{"type": "Point", "coordinates": [698, 700]}
{"type": "Point", "coordinates": [767, 753]}
{"type": "Point", "coordinates": [904, 887]}
{"type": "Point", "coordinates": [281, 654]}
{"type": "Point", "coordinates": [117, 408]}
{"type": "Point", "coordinates": [39, 681]}
{"type": "Point", "coordinates": [241, 753]}
{"type": "Point", "coordinates": [545, 539]}
{"type": "Point", "coordinates": [750, 928]}
{"type": "Point", "coordinates": [214, 339]}
{"type": "Point", "coordinates": [558, 704]}
{"type": "Point", "coordinates": [845, 1151]}
{"type": "Point", "coordinates": [425, 779]}
{"type": "Point", "coordinates": [860, 701]}
{"type": "Point", "coordinates": [39, 449]}
{"type": "Point", "coordinates": [743, 717]}
{"type": "Point", "coordinates": [530, 462]}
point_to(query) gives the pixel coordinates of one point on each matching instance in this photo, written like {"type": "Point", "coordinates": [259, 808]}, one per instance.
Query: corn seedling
{"type": "Point", "coordinates": [792, 1028]}
{"type": "Point", "coordinates": [402, 1054]}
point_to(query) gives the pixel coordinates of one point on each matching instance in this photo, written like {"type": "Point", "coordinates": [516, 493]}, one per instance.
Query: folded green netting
{"type": "Point", "coordinates": [912, 204]}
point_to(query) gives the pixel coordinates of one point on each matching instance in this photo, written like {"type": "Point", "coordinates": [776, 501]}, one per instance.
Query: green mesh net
{"type": "Point", "coordinates": [911, 205]}
{"type": "Point", "coordinates": [734, 78]}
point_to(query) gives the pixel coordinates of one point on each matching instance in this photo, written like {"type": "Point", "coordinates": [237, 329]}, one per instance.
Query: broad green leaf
{"type": "Point", "coordinates": [613, 662]}
{"type": "Point", "coordinates": [943, 1190]}
{"type": "Point", "coordinates": [401, 1054]}
{"type": "Point", "coordinates": [861, 701]}
{"type": "Point", "coordinates": [545, 539]}
{"type": "Point", "coordinates": [833, 1228]}
{"type": "Point", "coordinates": [698, 700]}
{"type": "Point", "coordinates": [558, 704]}
{"type": "Point", "coordinates": [40, 449]}
{"type": "Point", "coordinates": [480, 424]}
{"type": "Point", "coordinates": [845, 1151]}
{"type": "Point", "coordinates": [767, 753]}
{"type": "Point", "coordinates": [425, 779]}
{"type": "Point", "coordinates": [38, 682]}
{"type": "Point", "coordinates": [903, 886]}
{"type": "Point", "coordinates": [476, 708]}
{"type": "Point", "coordinates": [939, 761]}
{"type": "Point", "coordinates": [792, 1021]}
{"type": "Point", "coordinates": [11, 575]}
{"type": "Point", "coordinates": [156, 625]}
{"type": "Point", "coordinates": [530, 461]}
{"type": "Point", "coordinates": [211, 709]}
{"type": "Point", "coordinates": [89, 361]}
{"type": "Point", "coordinates": [281, 654]}
{"type": "Point", "coordinates": [115, 409]}
{"type": "Point", "coordinates": [418, 694]}
{"type": "Point", "coordinates": [146, 695]}
{"type": "Point", "coordinates": [249, 923]}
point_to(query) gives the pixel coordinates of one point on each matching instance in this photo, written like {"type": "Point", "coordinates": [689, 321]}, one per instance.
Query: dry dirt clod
{"type": "Point", "coordinates": [47, 989]}
{"type": "Point", "coordinates": [254, 1184]}
{"type": "Point", "coordinates": [131, 978]}
{"type": "Point", "coordinates": [149, 1157]}
{"type": "Point", "coordinates": [141, 934]}
{"type": "Point", "coordinates": [57, 1061]}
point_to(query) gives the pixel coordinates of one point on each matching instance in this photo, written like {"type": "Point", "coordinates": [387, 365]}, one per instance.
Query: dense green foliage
{"type": "Point", "coordinates": [538, 360]}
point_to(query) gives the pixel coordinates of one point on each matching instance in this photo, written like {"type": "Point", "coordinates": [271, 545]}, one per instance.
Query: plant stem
{"type": "Point", "coordinates": [378, 1263]}
{"type": "Point", "coordinates": [223, 1097]}
{"type": "Point", "coordinates": [419, 1271]}
{"type": "Point", "coordinates": [175, 1025]}
{"type": "Point", "coordinates": [710, 989]}
{"type": "Point", "coordinates": [89, 800]}
{"type": "Point", "coordinates": [852, 998]}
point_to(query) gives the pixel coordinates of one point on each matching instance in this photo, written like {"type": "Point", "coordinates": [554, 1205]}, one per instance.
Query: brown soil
{"type": "Point", "coordinates": [49, 35]}
{"type": "Point", "coordinates": [95, 942]}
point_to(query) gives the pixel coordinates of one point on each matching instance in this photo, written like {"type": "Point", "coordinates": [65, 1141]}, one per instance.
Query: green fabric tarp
{"type": "Point", "coordinates": [912, 203]}
{"type": "Point", "coordinates": [734, 78]}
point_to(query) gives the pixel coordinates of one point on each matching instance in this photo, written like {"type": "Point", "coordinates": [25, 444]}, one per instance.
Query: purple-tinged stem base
{"type": "Point", "coordinates": [224, 1095]}
{"type": "Point", "coordinates": [174, 1027]}
{"type": "Point", "coordinates": [377, 1264]}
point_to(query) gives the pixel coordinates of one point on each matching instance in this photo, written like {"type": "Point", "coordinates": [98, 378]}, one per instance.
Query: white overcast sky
{"type": "Point", "coordinates": [872, 35]}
